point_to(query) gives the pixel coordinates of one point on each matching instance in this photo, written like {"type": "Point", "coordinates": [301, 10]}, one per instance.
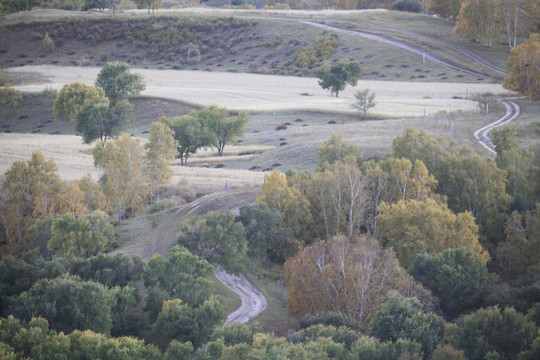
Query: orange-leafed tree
{"type": "Point", "coordinates": [524, 68]}
{"type": "Point", "coordinates": [339, 275]}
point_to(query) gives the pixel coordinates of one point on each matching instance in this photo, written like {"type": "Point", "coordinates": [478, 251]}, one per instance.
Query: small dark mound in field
{"type": "Point", "coordinates": [298, 120]}
{"type": "Point", "coordinates": [459, 76]}
{"type": "Point", "coordinates": [268, 169]}
{"type": "Point", "coordinates": [304, 125]}
{"type": "Point", "coordinates": [240, 141]}
{"type": "Point", "coordinates": [71, 53]}
{"type": "Point", "coordinates": [480, 79]}
{"type": "Point", "coordinates": [404, 66]}
{"type": "Point", "coordinates": [208, 69]}
{"type": "Point", "coordinates": [388, 66]}
{"type": "Point", "coordinates": [444, 78]}
{"type": "Point", "coordinates": [255, 131]}
{"type": "Point", "coordinates": [305, 94]}
{"type": "Point", "coordinates": [22, 56]}
{"type": "Point", "coordinates": [40, 126]}
{"type": "Point", "coordinates": [146, 132]}
{"type": "Point", "coordinates": [281, 127]}
{"type": "Point", "coordinates": [276, 165]}
{"type": "Point", "coordinates": [287, 123]}
{"type": "Point", "coordinates": [55, 133]}
{"type": "Point", "coordinates": [36, 131]}
{"type": "Point", "coordinates": [219, 166]}
{"type": "Point", "coordinates": [42, 56]}
{"type": "Point", "coordinates": [54, 62]}
{"type": "Point", "coordinates": [3, 51]}
{"type": "Point", "coordinates": [250, 153]}
{"type": "Point", "coordinates": [442, 74]}
{"type": "Point", "coordinates": [457, 97]}
{"type": "Point", "coordinates": [331, 122]}
{"type": "Point", "coordinates": [23, 117]}
{"type": "Point", "coordinates": [283, 144]}
{"type": "Point", "coordinates": [256, 167]}
{"type": "Point", "coordinates": [282, 139]}
{"type": "Point", "coordinates": [421, 76]}
{"type": "Point", "coordinates": [7, 131]}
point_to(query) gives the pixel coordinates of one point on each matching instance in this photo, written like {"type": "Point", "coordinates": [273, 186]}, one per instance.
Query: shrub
{"type": "Point", "coordinates": [2, 79]}
{"type": "Point", "coordinates": [332, 318]}
{"type": "Point", "coordinates": [281, 127]}
{"type": "Point", "coordinates": [407, 5]}
{"type": "Point", "coordinates": [47, 42]}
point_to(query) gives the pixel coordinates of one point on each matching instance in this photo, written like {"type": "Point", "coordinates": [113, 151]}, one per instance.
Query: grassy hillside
{"type": "Point", "coordinates": [256, 42]}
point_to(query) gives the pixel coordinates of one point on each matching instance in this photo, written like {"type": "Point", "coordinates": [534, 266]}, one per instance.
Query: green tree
{"type": "Point", "coordinates": [178, 320]}
{"type": "Point", "coordinates": [518, 164]}
{"type": "Point", "coordinates": [458, 278]}
{"type": "Point", "coordinates": [364, 101]}
{"type": "Point", "coordinates": [179, 351]}
{"type": "Point", "coordinates": [71, 99]}
{"type": "Point", "coordinates": [336, 76]}
{"type": "Point", "coordinates": [264, 233]}
{"type": "Point", "coordinates": [67, 303]}
{"type": "Point", "coordinates": [83, 236]}
{"type": "Point", "coordinates": [401, 317]}
{"type": "Point", "coordinates": [190, 134]}
{"type": "Point", "coordinates": [11, 97]}
{"type": "Point", "coordinates": [97, 120]}
{"type": "Point", "coordinates": [520, 251]}
{"type": "Point", "coordinates": [159, 155]}
{"type": "Point", "coordinates": [479, 20]}
{"type": "Point", "coordinates": [216, 237]}
{"type": "Point", "coordinates": [181, 275]}
{"type": "Point", "coordinates": [487, 330]}
{"type": "Point", "coordinates": [118, 83]}
{"type": "Point", "coordinates": [223, 129]}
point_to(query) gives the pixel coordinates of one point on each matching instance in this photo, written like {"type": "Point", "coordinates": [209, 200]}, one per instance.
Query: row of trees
{"type": "Point", "coordinates": [209, 127]}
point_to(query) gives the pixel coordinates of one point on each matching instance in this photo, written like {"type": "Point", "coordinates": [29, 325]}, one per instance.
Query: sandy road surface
{"type": "Point", "coordinates": [253, 301]}
{"type": "Point", "coordinates": [482, 134]}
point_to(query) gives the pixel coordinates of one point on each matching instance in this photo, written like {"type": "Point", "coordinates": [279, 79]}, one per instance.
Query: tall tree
{"type": "Point", "coordinates": [118, 83]}
{"type": "Point", "coordinates": [123, 169]}
{"type": "Point", "coordinates": [190, 133]}
{"type": "Point", "coordinates": [364, 101]}
{"type": "Point", "coordinates": [524, 68]}
{"type": "Point", "coordinates": [479, 20]}
{"type": "Point", "coordinates": [337, 149]}
{"type": "Point", "coordinates": [159, 155]}
{"type": "Point", "coordinates": [223, 128]}
{"type": "Point", "coordinates": [338, 275]}
{"type": "Point", "coordinates": [336, 76]}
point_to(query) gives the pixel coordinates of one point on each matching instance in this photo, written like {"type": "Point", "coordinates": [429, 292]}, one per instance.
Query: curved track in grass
{"type": "Point", "coordinates": [482, 135]}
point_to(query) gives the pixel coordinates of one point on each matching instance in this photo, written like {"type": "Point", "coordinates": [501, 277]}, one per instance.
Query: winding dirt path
{"type": "Point", "coordinates": [415, 50]}
{"type": "Point", "coordinates": [158, 240]}
{"type": "Point", "coordinates": [482, 135]}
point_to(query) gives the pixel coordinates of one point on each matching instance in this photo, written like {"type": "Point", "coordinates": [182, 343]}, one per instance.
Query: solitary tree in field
{"type": "Point", "coordinates": [335, 77]}
{"type": "Point", "coordinates": [364, 101]}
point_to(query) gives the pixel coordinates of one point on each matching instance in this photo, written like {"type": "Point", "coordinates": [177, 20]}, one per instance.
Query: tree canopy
{"type": "Point", "coordinates": [336, 76]}
{"type": "Point", "coordinates": [118, 83]}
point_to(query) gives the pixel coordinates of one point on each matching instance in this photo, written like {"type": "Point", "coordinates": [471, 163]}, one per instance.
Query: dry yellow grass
{"type": "Point", "coordinates": [261, 93]}
{"type": "Point", "coordinates": [74, 160]}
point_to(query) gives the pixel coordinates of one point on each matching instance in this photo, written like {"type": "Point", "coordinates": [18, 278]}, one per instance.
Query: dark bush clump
{"type": "Point", "coordinates": [407, 5]}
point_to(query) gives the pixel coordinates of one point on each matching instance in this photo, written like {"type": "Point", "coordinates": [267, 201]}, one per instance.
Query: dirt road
{"type": "Point", "coordinates": [157, 240]}
{"type": "Point", "coordinates": [482, 134]}
{"type": "Point", "coordinates": [253, 301]}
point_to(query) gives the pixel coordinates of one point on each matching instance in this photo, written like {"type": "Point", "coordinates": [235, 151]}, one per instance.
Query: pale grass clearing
{"type": "Point", "coordinates": [74, 160]}
{"type": "Point", "coordinates": [231, 153]}
{"type": "Point", "coordinates": [266, 93]}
